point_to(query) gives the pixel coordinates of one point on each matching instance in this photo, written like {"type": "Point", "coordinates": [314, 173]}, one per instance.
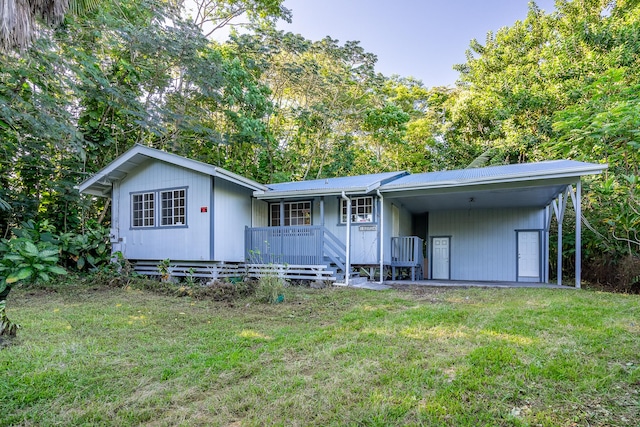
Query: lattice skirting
{"type": "Point", "coordinates": [216, 270]}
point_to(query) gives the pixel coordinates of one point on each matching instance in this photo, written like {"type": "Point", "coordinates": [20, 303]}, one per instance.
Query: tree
{"type": "Point", "coordinates": [20, 20]}
{"type": "Point", "coordinates": [564, 85]}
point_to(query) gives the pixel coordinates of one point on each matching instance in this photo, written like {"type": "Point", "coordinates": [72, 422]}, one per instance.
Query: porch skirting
{"type": "Point", "coordinates": [217, 270]}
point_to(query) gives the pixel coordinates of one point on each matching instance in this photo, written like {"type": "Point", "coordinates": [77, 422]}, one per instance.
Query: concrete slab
{"type": "Point", "coordinates": [474, 284]}
{"type": "Point", "coordinates": [374, 286]}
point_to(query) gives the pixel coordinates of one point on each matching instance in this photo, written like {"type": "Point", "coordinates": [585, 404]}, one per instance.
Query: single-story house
{"type": "Point", "coordinates": [483, 224]}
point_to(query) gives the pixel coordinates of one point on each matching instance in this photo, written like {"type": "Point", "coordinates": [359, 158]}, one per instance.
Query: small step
{"type": "Point", "coordinates": [357, 280]}
{"type": "Point", "coordinates": [354, 281]}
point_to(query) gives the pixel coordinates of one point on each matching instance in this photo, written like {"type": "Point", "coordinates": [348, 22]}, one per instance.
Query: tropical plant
{"type": "Point", "coordinates": [24, 260]}
{"type": "Point", "coordinates": [165, 269]}
{"type": "Point", "coordinates": [87, 250]}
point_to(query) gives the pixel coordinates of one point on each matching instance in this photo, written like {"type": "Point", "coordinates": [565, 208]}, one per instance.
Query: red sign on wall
{"type": "Point", "coordinates": [203, 209]}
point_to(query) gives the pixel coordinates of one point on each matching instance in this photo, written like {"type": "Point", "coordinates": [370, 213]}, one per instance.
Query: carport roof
{"type": "Point", "coordinates": [496, 174]}
{"type": "Point", "coordinates": [519, 185]}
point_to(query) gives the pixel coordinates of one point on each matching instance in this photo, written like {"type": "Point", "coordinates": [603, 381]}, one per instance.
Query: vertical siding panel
{"type": "Point", "coordinates": [191, 243]}
{"type": "Point", "coordinates": [483, 242]}
{"type": "Point", "coordinates": [260, 213]}
{"type": "Point", "coordinates": [233, 212]}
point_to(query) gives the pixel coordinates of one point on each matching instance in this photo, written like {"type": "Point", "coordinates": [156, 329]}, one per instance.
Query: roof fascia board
{"type": "Point", "coordinates": [270, 195]}
{"type": "Point", "coordinates": [106, 173]}
{"type": "Point", "coordinates": [207, 169]}
{"type": "Point", "coordinates": [103, 174]}
{"type": "Point", "coordinates": [512, 185]}
{"type": "Point", "coordinates": [265, 195]}
{"type": "Point", "coordinates": [522, 177]}
{"type": "Point", "coordinates": [239, 179]}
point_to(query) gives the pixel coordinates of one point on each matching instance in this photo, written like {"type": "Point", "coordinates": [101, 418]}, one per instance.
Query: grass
{"type": "Point", "coordinates": [418, 356]}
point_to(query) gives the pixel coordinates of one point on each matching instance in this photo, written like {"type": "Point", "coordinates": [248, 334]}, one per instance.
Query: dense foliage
{"type": "Point", "coordinates": [274, 106]}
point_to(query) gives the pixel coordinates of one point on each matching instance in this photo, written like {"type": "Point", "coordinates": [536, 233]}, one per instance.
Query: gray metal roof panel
{"type": "Point", "coordinates": [344, 183]}
{"type": "Point", "coordinates": [496, 173]}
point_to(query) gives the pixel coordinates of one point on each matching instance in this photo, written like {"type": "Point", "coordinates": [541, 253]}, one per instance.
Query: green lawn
{"type": "Point", "coordinates": [323, 357]}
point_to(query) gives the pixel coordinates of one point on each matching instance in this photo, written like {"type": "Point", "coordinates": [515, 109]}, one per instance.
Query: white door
{"type": "Point", "coordinates": [440, 254]}
{"type": "Point", "coordinates": [529, 255]}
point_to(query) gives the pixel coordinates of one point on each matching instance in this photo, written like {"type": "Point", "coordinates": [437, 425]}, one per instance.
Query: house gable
{"type": "Point", "coordinates": [100, 184]}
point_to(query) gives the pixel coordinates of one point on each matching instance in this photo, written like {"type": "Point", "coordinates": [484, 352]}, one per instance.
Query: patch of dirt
{"type": "Point", "coordinates": [423, 292]}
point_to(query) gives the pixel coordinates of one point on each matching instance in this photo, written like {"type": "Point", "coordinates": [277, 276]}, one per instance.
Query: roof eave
{"type": "Point", "coordinates": [110, 172]}
{"type": "Point", "coordinates": [568, 173]}
{"type": "Point", "coordinates": [270, 195]}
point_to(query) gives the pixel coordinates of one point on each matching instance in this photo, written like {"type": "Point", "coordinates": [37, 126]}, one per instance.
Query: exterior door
{"type": "Point", "coordinates": [529, 256]}
{"type": "Point", "coordinates": [440, 254]}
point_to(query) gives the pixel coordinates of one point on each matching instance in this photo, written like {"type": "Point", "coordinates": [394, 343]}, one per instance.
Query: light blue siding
{"type": "Point", "coordinates": [260, 213]}
{"type": "Point", "coordinates": [364, 242]}
{"type": "Point", "coordinates": [404, 225]}
{"type": "Point", "coordinates": [232, 213]}
{"type": "Point", "coordinates": [179, 243]}
{"type": "Point", "coordinates": [483, 242]}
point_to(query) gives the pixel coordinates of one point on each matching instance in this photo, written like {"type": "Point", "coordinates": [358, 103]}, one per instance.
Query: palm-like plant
{"type": "Point", "coordinates": [20, 19]}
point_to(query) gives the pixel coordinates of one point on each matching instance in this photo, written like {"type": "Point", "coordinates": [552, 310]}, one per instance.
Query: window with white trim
{"type": "Point", "coordinates": [361, 209]}
{"type": "Point", "coordinates": [173, 207]}
{"type": "Point", "coordinates": [295, 213]}
{"type": "Point", "coordinates": [143, 209]}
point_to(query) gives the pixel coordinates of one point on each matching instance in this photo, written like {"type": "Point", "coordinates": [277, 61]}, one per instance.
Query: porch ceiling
{"type": "Point", "coordinates": [505, 195]}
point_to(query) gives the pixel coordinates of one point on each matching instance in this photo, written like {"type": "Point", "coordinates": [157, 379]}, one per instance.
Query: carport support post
{"type": "Point", "coordinates": [560, 217]}
{"type": "Point", "coordinates": [577, 202]}
{"type": "Point", "coordinates": [381, 236]}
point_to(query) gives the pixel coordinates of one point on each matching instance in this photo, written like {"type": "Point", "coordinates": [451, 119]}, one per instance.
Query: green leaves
{"type": "Point", "coordinates": [24, 260]}
{"type": "Point", "coordinates": [23, 273]}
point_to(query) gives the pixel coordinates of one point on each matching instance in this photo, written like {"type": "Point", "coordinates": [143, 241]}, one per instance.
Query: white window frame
{"type": "Point", "coordinates": [362, 209]}
{"type": "Point", "coordinates": [302, 209]}
{"type": "Point", "coordinates": [143, 211]}
{"type": "Point", "coordinates": [149, 210]}
{"type": "Point", "coordinates": [173, 209]}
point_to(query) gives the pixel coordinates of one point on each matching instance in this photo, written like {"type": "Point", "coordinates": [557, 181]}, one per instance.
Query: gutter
{"type": "Point", "coordinates": [270, 194]}
{"type": "Point", "coordinates": [566, 173]}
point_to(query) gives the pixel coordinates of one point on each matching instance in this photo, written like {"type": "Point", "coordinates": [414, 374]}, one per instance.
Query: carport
{"type": "Point", "coordinates": [494, 221]}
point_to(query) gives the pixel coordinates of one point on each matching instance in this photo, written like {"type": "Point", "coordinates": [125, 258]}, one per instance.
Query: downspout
{"type": "Point", "coordinates": [381, 236]}
{"type": "Point", "coordinates": [347, 267]}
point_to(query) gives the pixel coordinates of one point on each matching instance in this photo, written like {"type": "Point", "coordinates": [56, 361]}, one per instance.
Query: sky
{"type": "Point", "coordinates": [419, 38]}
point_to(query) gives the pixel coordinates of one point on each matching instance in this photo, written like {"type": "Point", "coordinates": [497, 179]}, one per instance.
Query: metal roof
{"type": "Point", "coordinates": [361, 184]}
{"type": "Point", "coordinates": [521, 185]}
{"type": "Point", "coordinates": [100, 183]}
{"type": "Point", "coordinates": [495, 174]}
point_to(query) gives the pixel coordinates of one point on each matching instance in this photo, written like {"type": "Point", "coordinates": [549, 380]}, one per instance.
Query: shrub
{"type": "Point", "coordinates": [271, 288]}
{"type": "Point", "coordinates": [23, 260]}
{"type": "Point", "coordinates": [85, 251]}
{"type": "Point", "coordinates": [629, 274]}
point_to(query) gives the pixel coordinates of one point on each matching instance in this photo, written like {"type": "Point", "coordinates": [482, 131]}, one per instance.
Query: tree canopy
{"type": "Point", "coordinates": [275, 106]}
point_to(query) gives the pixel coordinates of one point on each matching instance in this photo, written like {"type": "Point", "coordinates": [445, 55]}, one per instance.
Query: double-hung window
{"type": "Point", "coordinates": [173, 207]}
{"type": "Point", "coordinates": [295, 213]}
{"type": "Point", "coordinates": [361, 209]}
{"type": "Point", "coordinates": [144, 208]}
{"type": "Point", "coordinates": [159, 208]}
